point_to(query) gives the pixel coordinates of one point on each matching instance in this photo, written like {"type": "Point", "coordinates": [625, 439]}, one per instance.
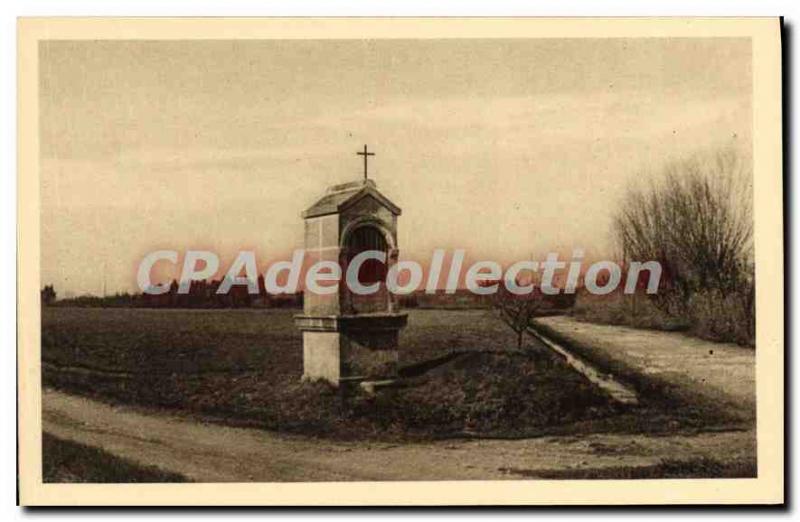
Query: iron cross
{"type": "Point", "coordinates": [365, 154]}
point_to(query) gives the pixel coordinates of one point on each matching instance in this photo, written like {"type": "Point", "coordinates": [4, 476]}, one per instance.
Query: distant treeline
{"type": "Point", "coordinates": [203, 294]}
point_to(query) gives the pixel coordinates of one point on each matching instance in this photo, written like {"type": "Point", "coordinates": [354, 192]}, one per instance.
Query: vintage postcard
{"type": "Point", "coordinates": [400, 261]}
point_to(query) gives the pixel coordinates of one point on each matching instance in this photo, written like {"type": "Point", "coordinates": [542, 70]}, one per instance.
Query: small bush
{"type": "Point", "coordinates": [723, 317]}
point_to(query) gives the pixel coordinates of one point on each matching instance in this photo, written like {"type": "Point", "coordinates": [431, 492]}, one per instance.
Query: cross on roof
{"type": "Point", "coordinates": [366, 155]}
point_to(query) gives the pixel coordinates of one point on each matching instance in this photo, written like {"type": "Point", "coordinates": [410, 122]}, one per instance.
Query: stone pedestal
{"type": "Point", "coordinates": [351, 348]}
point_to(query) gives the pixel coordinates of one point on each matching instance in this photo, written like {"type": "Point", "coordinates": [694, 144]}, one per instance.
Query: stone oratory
{"type": "Point", "coordinates": [347, 337]}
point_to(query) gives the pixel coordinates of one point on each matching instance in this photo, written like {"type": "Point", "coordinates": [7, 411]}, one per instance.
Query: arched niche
{"type": "Point", "coordinates": [358, 238]}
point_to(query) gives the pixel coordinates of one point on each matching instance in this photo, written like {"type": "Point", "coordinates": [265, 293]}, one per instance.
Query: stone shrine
{"type": "Point", "coordinates": [349, 337]}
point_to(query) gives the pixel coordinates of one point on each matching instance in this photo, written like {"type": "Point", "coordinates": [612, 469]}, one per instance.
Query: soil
{"type": "Point", "coordinates": [216, 453]}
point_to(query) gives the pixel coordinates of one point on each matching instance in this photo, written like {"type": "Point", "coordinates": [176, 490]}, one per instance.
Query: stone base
{"type": "Point", "coordinates": [350, 348]}
{"type": "Point", "coordinates": [322, 356]}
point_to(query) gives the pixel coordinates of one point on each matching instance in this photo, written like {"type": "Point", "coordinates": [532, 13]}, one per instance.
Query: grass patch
{"type": "Point", "coordinates": [481, 393]}
{"type": "Point", "coordinates": [243, 367]}
{"type": "Point", "coordinates": [66, 462]}
{"type": "Point", "coordinates": [668, 468]}
{"type": "Point", "coordinates": [636, 311]}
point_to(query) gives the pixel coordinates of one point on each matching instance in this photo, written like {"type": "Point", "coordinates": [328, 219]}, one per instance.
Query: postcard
{"type": "Point", "coordinates": [301, 261]}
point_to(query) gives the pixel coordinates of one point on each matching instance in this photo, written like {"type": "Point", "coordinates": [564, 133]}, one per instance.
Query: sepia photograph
{"type": "Point", "coordinates": [533, 257]}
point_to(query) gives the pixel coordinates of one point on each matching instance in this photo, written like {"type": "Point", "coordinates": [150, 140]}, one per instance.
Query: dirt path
{"type": "Point", "coordinates": [714, 370]}
{"type": "Point", "coordinates": [215, 453]}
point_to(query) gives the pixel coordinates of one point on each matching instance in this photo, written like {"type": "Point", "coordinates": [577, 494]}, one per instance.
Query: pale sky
{"type": "Point", "coordinates": [506, 148]}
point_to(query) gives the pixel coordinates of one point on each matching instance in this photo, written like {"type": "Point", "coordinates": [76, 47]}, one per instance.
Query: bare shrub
{"type": "Point", "coordinates": [696, 220]}
{"type": "Point", "coordinates": [723, 317]}
{"type": "Point", "coordinates": [517, 311]}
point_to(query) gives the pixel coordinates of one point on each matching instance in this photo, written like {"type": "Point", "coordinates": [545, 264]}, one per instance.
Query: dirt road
{"type": "Point", "coordinates": [720, 372]}
{"type": "Point", "coordinates": [215, 453]}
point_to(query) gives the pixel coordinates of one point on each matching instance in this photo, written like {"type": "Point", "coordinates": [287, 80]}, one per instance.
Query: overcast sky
{"type": "Point", "coordinates": [507, 148]}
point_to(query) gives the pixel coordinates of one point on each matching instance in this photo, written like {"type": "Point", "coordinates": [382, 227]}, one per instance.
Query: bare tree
{"type": "Point", "coordinates": [697, 221]}
{"type": "Point", "coordinates": [517, 311]}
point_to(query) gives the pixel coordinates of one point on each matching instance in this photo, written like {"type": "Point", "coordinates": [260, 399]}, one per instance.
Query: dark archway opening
{"type": "Point", "coordinates": [372, 271]}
